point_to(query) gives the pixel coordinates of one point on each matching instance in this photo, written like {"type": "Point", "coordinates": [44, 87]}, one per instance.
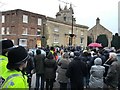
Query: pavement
{"type": "Point", "coordinates": [33, 81]}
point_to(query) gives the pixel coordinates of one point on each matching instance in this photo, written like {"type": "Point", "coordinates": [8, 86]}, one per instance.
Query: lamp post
{"type": "Point", "coordinates": [71, 35]}
{"type": "Point", "coordinates": [43, 34]}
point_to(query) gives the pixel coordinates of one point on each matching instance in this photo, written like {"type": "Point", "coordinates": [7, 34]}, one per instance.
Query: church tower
{"type": "Point", "coordinates": [66, 14]}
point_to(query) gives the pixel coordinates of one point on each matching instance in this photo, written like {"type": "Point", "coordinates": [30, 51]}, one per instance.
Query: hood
{"type": "Point", "coordinates": [98, 61]}
{"type": "Point", "coordinates": [65, 55]}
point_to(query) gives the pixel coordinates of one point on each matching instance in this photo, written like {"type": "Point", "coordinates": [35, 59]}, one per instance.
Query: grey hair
{"type": "Point", "coordinates": [113, 55]}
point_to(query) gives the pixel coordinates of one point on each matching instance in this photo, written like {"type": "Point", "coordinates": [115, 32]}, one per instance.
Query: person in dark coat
{"type": "Point", "coordinates": [76, 72]}
{"type": "Point", "coordinates": [47, 50]}
{"type": "Point", "coordinates": [50, 71]}
{"type": "Point", "coordinates": [30, 68]}
{"type": "Point", "coordinates": [86, 57]}
{"type": "Point", "coordinates": [39, 60]}
{"type": "Point", "coordinates": [99, 54]}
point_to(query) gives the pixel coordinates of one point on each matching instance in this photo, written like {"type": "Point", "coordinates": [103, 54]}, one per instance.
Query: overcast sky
{"type": "Point", "coordinates": [85, 11]}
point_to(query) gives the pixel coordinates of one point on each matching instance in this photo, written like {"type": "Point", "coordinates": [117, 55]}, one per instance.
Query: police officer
{"type": "Point", "coordinates": [4, 45]}
{"type": "Point", "coordinates": [14, 77]}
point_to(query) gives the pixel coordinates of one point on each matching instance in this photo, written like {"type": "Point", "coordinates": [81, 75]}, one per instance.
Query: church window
{"type": "Point", "coordinates": [64, 18]}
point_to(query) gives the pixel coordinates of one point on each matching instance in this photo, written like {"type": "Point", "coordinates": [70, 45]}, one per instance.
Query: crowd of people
{"type": "Point", "coordinates": [72, 67]}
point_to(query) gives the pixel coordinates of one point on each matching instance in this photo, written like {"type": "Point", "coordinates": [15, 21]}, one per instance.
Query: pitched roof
{"type": "Point", "coordinates": [94, 28]}
{"type": "Point", "coordinates": [58, 21]}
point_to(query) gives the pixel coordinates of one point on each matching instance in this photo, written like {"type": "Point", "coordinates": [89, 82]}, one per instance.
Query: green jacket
{"type": "Point", "coordinates": [14, 79]}
{"type": "Point", "coordinates": [3, 63]}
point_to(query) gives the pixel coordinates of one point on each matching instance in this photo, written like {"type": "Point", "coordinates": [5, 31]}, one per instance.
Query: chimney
{"type": "Point", "coordinates": [97, 21]}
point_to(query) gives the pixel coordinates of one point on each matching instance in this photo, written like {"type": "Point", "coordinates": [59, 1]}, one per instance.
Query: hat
{"type": "Point", "coordinates": [17, 55]}
{"type": "Point", "coordinates": [6, 44]}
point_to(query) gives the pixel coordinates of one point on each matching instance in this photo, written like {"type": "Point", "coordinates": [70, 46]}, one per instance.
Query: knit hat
{"type": "Point", "coordinates": [17, 55]}
{"type": "Point", "coordinates": [4, 44]}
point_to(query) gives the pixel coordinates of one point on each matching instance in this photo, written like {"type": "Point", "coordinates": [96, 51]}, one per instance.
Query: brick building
{"type": "Point", "coordinates": [23, 27]}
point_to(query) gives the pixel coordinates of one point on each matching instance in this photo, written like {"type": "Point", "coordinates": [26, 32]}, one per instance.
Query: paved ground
{"type": "Point", "coordinates": [56, 84]}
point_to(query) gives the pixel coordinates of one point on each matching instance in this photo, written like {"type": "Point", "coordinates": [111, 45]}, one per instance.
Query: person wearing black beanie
{"type": "Point", "coordinates": [16, 57]}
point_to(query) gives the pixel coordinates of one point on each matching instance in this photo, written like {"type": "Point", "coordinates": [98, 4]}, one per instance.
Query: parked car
{"type": "Point", "coordinates": [34, 51]}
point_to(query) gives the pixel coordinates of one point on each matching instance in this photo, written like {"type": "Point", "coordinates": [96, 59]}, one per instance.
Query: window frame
{"type": "Point", "coordinates": [3, 30]}
{"type": "Point", "coordinates": [39, 21]}
{"type": "Point", "coordinates": [3, 18]}
{"type": "Point", "coordinates": [25, 31]}
{"type": "Point", "coordinates": [56, 38]}
{"type": "Point", "coordinates": [25, 18]}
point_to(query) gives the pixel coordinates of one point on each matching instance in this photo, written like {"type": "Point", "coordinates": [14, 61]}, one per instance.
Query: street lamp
{"type": "Point", "coordinates": [43, 34]}
{"type": "Point", "coordinates": [72, 34]}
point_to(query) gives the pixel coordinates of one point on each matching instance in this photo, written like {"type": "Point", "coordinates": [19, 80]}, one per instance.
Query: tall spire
{"type": "Point", "coordinates": [60, 8]}
{"type": "Point", "coordinates": [65, 7]}
{"type": "Point", "coordinates": [71, 8]}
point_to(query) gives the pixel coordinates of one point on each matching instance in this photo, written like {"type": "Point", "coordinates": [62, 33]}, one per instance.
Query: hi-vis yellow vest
{"type": "Point", "coordinates": [14, 79]}
{"type": "Point", "coordinates": [3, 63]}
